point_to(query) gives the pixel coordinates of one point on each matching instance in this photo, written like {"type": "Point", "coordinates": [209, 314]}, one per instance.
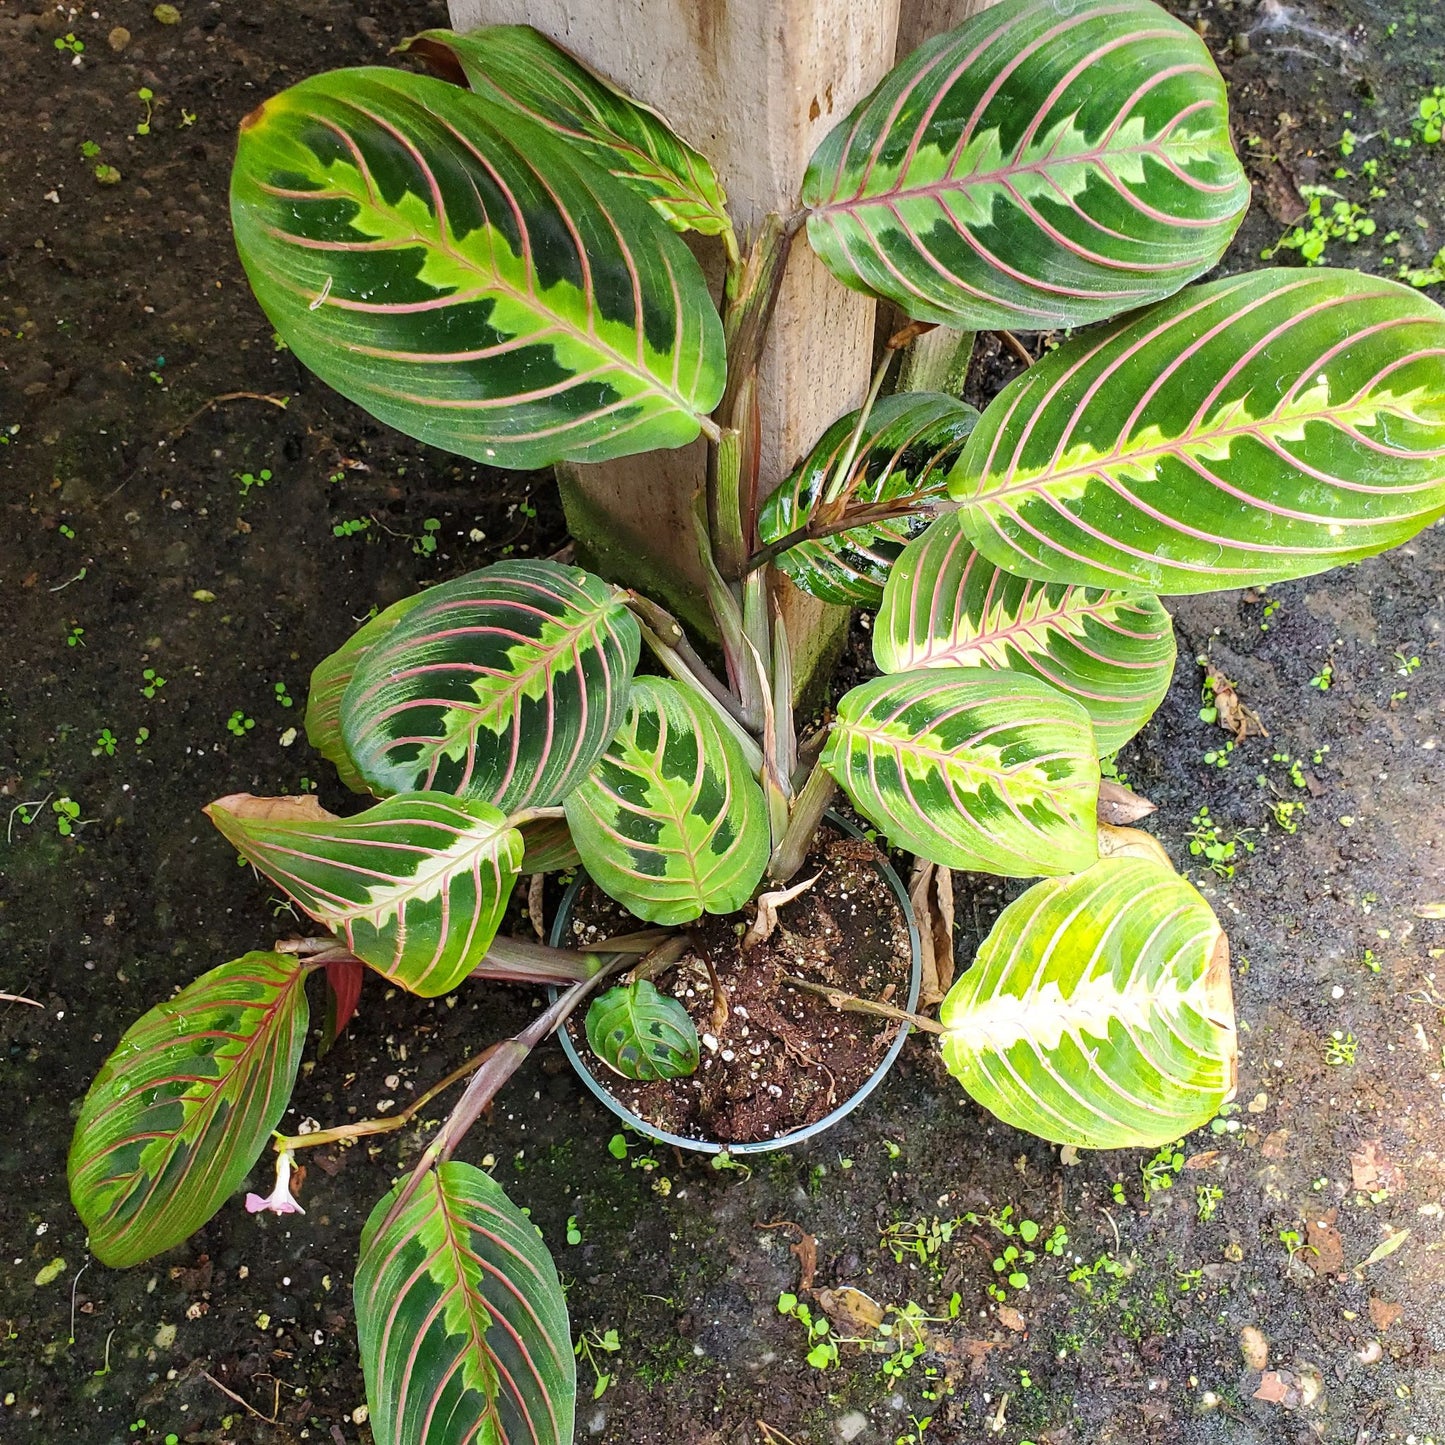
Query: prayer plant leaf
{"type": "Point", "coordinates": [642, 1034]}
{"type": "Point", "coordinates": [328, 685]}
{"type": "Point", "coordinates": [415, 886]}
{"type": "Point", "coordinates": [947, 605]}
{"type": "Point", "coordinates": [1046, 164]}
{"type": "Point", "coordinates": [1267, 426]}
{"type": "Point", "coordinates": [518, 67]}
{"type": "Point", "coordinates": [1098, 1011]}
{"type": "Point", "coordinates": [462, 1320]}
{"type": "Point", "coordinates": [994, 772]}
{"type": "Point", "coordinates": [182, 1109]}
{"type": "Point", "coordinates": [670, 821]}
{"type": "Point", "coordinates": [504, 685]}
{"type": "Point", "coordinates": [468, 277]}
{"type": "Point", "coordinates": [910, 441]}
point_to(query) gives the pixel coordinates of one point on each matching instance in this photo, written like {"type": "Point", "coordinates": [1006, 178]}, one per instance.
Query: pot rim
{"type": "Point", "coordinates": [796, 1136]}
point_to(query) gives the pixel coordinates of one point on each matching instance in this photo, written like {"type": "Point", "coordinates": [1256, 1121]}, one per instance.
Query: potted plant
{"type": "Point", "coordinates": [489, 261]}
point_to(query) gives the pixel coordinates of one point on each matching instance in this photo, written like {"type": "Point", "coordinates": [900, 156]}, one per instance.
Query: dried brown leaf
{"type": "Point", "coordinates": [1328, 1248]}
{"type": "Point", "coordinates": [1280, 1387]}
{"type": "Point", "coordinates": [851, 1308]}
{"type": "Point", "coordinates": [930, 890]}
{"type": "Point", "coordinates": [1132, 843]}
{"type": "Point", "coordinates": [1119, 806]}
{"type": "Point", "coordinates": [1254, 1347]}
{"type": "Point", "coordinates": [1233, 716]}
{"type": "Point", "coordinates": [1275, 1144]}
{"type": "Point", "coordinates": [766, 921]}
{"type": "Point", "coordinates": [1371, 1170]}
{"type": "Point", "coordinates": [1009, 1317]}
{"type": "Point", "coordinates": [1383, 1314]}
{"type": "Point", "coordinates": [1202, 1160]}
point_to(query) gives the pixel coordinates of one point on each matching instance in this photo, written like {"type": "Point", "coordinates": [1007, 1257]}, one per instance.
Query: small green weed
{"type": "Point", "coordinates": [251, 480]}
{"type": "Point", "coordinates": [239, 724]}
{"type": "Point", "coordinates": [1344, 221]}
{"type": "Point", "coordinates": [1430, 116]}
{"type": "Point", "coordinates": [351, 527]}
{"type": "Point", "coordinates": [1324, 677]}
{"type": "Point", "coordinates": [1340, 1049]}
{"type": "Point", "coordinates": [1207, 1198]}
{"type": "Point", "coordinates": [1207, 841]}
{"type": "Point", "coordinates": [75, 637]}
{"type": "Point", "coordinates": [1160, 1172]}
{"type": "Point", "coordinates": [151, 683]}
{"type": "Point", "coordinates": [67, 816]}
{"type": "Point", "coordinates": [589, 1344]}
{"type": "Point", "coordinates": [105, 743]}
{"type": "Point", "coordinates": [68, 44]}
{"type": "Point", "coordinates": [283, 697]}
{"type": "Point", "coordinates": [145, 95]}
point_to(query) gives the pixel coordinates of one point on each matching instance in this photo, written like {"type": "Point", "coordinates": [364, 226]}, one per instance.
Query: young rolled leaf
{"type": "Point", "coordinates": [1266, 426]}
{"type": "Point", "coordinates": [328, 684]}
{"type": "Point", "coordinates": [520, 68]}
{"type": "Point", "coordinates": [182, 1109]}
{"type": "Point", "coordinates": [642, 1034]}
{"type": "Point", "coordinates": [671, 822]}
{"type": "Point", "coordinates": [503, 685]}
{"type": "Point", "coordinates": [910, 440]}
{"type": "Point", "coordinates": [547, 846]}
{"type": "Point", "coordinates": [947, 605]}
{"type": "Point", "coordinates": [1048, 163]}
{"type": "Point", "coordinates": [462, 1321]}
{"type": "Point", "coordinates": [1098, 1011]}
{"type": "Point", "coordinates": [416, 886]}
{"type": "Point", "coordinates": [993, 772]}
{"type": "Point", "coordinates": [468, 277]}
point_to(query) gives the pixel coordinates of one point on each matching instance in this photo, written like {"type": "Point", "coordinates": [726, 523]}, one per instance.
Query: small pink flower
{"type": "Point", "coordinates": [279, 1201]}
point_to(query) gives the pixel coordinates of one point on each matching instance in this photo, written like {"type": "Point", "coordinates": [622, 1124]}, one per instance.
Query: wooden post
{"type": "Point", "coordinates": [755, 85]}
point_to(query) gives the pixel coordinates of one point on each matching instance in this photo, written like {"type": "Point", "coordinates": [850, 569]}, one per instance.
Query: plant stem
{"type": "Point", "coordinates": [670, 644]}
{"type": "Point", "coordinates": [809, 806]}
{"type": "Point", "coordinates": [498, 1065]}
{"type": "Point", "coordinates": [842, 474]}
{"type": "Point", "coordinates": [851, 1003]}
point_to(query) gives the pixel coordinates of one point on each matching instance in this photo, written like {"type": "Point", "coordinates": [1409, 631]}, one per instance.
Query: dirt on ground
{"type": "Point", "coordinates": [179, 550]}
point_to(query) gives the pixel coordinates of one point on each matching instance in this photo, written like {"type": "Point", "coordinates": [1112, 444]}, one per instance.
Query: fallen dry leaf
{"type": "Point", "coordinates": [851, 1308]}
{"type": "Point", "coordinates": [1254, 1347]}
{"type": "Point", "coordinates": [1202, 1160]}
{"type": "Point", "coordinates": [1328, 1247]}
{"type": "Point", "coordinates": [930, 890]}
{"type": "Point", "coordinates": [767, 916]}
{"type": "Point", "coordinates": [1274, 1144]}
{"type": "Point", "coordinates": [806, 1250]}
{"type": "Point", "coordinates": [1119, 806]}
{"type": "Point", "coordinates": [1231, 714]}
{"type": "Point", "coordinates": [1132, 843]}
{"type": "Point", "coordinates": [1280, 1387]}
{"type": "Point", "coordinates": [1385, 1249]}
{"type": "Point", "coordinates": [1009, 1317]}
{"type": "Point", "coordinates": [1370, 1170]}
{"type": "Point", "coordinates": [1383, 1314]}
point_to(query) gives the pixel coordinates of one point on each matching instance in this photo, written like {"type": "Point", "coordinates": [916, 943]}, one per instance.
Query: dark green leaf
{"type": "Point", "coordinates": [181, 1110]}
{"type": "Point", "coordinates": [469, 278]}
{"type": "Point", "coordinates": [642, 1034]}
{"type": "Point", "coordinates": [462, 1321]}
